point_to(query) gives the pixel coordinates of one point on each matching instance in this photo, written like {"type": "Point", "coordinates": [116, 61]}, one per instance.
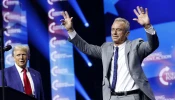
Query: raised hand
{"type": "Point", "coordinates": [142, 17]}
{"type": "Point", "coordinates": [67, 21]}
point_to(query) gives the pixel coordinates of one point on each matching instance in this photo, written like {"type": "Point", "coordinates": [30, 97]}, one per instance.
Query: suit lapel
{"type": "Point", "coordinates": [109, 56]}
{"type": "Point", "coordinates": [127, 50]}
{"type": "Point", "coordinates": [34, 80]}
{"type": "Point", "coordinates": [17, 79]}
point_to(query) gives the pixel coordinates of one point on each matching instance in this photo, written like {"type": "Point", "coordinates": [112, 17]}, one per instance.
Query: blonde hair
{"type": "Point", "coordinates": [127, 24]}
{"type": "Point", "coordinates": [21, 47]}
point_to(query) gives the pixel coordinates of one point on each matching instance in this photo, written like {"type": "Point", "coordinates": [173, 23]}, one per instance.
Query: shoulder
{"type": "Point", "coordinates": [33, 71]}
{"type": "Point", "coordinates": [137, 41]}
{"type": "Point", "coordinates": [8, 71]}
{"type": "Point", "coordinates": [106, 44]}
{"type": "Point", "coordinates": [9, 68]}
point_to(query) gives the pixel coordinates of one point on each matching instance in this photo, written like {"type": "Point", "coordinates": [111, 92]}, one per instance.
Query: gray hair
{"type": "Point", "coordinates": [125, 21]}
{"type": "Point", "coordinates": [21, 47]}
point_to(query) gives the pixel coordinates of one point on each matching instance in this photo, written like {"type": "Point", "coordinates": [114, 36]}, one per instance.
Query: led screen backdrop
{"type": "Point", "coordinates": [159, 67]}
{"type": "Point", "coordinates": [14, 20]}
{"type": "Point", "coordinates": [61, 54]}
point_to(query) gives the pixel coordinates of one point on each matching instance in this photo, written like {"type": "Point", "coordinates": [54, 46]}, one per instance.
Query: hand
{"type": "Point", "coordinates": [142, 17]}
{"type": "Point", "coordinates": [67, 22]}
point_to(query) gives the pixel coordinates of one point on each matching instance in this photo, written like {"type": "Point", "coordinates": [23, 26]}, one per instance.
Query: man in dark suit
{"type": "Point", "coordinates": [21, 77]}
{"type": "Point", "coordinates": [123, 76]}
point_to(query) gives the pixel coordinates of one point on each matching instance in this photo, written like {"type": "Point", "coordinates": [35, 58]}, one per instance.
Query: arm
{"type": "Point", "coordinates": [153, 41]}
{"type": "Point", "coordinates": [145, 48]}
{"type": "Point", "coordinates": [41, 89]}
{"type": "Point", "coordinates": [83, 46]}
{"type": "Point", "coordinates": [89, 49]}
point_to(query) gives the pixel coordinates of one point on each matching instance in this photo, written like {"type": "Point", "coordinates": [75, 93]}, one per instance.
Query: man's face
{"type": "Point", "coordinates": [21, 57]}
{"type": "Point", "coordinates": [118, 32]}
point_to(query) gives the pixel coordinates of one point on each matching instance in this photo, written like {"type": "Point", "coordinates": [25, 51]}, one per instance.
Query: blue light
{"type": "Point", "coordinates": [76, 7]}
{"type": "Point", "coordinates": [86, 24]}
{"type": "Point", "coordinates": [80, 89]}
{"type": "Point", "coordinates": [38, 33]}
{"type": "Point", "coordinates": [85, 58]}
{"type": "Point", "coordinates": [89, 64]}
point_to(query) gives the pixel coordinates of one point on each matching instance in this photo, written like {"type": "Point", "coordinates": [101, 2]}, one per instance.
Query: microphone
{"type": "Point", "coordinates": [4, 29]}
{"type": "Point", "coordinates": [7, 48]}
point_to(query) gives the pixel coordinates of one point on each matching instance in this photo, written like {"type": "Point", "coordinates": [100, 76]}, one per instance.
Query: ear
{"type": "Point", "coordinates": [28, 57]}
{"type": "Point", "coordinates": [127, 33]}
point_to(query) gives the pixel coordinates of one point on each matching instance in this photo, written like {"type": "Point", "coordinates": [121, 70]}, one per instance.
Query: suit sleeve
{"type": "Point", "coordinates": [85, 47]}
{"type": "Point", "coordinates": [145, 48]}
{"type": "Point", "coordinates": [41, 89]}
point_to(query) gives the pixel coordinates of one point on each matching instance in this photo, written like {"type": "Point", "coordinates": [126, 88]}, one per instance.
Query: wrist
{"type": "Point", "coordinates": [70, 30]}
{"type": "Point", "coordinates": [147, 26]}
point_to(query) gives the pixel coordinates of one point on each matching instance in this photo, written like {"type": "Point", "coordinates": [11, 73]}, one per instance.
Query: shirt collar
{"type": "Point", "coordinates": [20, 69]}
{"type": "Point", "coordinates": [121, 45]}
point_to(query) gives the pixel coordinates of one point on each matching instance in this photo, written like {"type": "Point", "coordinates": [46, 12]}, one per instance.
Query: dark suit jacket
{"type": "Point", "coordinates": [135, 52]}
{"type": "Point", "coordinates": [12, 79]}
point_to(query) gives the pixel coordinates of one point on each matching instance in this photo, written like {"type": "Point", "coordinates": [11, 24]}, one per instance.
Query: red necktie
{"type": "Point", "coordinates": [27, 86]}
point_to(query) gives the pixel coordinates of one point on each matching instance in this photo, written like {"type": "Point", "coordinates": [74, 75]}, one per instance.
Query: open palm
{"type": "Point", "coordinates": [142, 16]}
{"type": "Point", "coordinates": [67, 21]}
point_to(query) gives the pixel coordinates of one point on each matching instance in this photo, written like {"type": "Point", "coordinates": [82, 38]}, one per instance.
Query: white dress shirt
{"type": "Point", "coordinates": [28, 75]}
{"type": "Point", "coordinates": [124, 80]}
